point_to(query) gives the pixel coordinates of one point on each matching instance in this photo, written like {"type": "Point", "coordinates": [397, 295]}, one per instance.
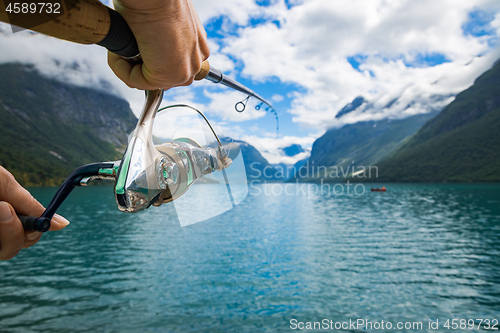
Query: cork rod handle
{"type": "Point", "coordinates": [88, 22]}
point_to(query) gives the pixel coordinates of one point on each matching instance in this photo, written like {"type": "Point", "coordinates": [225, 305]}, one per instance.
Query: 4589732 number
{"type": "Point", "coordinates": [33, 8]}
{"type": "Point", "coordinates": [463, 324]}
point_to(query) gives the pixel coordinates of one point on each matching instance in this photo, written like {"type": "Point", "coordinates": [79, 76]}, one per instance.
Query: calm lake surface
{"type": "Point", "coordinates": [413, 254]}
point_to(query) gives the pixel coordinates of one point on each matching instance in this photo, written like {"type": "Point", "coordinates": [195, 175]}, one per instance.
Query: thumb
{"type": "Point", "coordinates": [23, 202]}
{"type": "Point", "coordinates": [11, 232]}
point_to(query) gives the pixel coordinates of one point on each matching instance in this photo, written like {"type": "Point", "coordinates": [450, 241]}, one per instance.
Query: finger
{"type": "Point", "coordinates": [132, 74]}
{"type": "Point", "coordinates": [129, 73]}
{"type": "Point", "coordinates": [18, 197]}
{"type": "Point", "coordinates": [31, 238]}
{"type": "Point", "coordinates": [202, 34]}
{"type": "Point", "coordinates": [24, 203]}
{"type": "Point", "coordinates": [187, 83]}
{"type": "Point", "coordinates": [11, 232]}
{"type": "Point", "coordinates": [121, 67]}
{"type": "Point", "coordinates": [58, 222]}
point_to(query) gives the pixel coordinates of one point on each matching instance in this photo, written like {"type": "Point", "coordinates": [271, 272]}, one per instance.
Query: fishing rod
{"type": "Point", "coordinates": [91, 22]}
{"type": "Point", "coordinates": [140, 186]}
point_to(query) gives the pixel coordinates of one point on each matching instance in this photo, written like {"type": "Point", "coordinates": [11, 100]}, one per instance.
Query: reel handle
{"type": "Point", "coordinates": [32, 223]}
{"type": "Point", "coordinates": [42, 223]}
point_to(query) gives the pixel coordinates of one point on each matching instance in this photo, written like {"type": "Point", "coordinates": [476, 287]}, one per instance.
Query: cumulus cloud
{"type": "Point", "coordinates": [403, 56]}
{"type": "Point", "coordinates": [81, 65]}
{"type": "Point", "coordinates": [223, 105]}
{"type": "Point", "coordinates": [278, 98]}
{"type": "Point", "coordinates": [238, 11]}
{"type": "Point", "coordinates": [379, 49]}
{"type": "Point", "coordinates": [271, 147]}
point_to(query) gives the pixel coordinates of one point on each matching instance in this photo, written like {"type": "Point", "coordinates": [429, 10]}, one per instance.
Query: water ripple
{"type": "Point", "coordinates": [413, 253]}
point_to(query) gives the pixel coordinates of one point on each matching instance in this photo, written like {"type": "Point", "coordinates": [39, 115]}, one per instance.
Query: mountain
{"type": "Point", "coordinates": [48, 128]}
{"type": "Point", "coordinates": [431, 103]}
{"type": "Point", "coordinates": [364, 143]}
{"type": "Point", "coordinates": [256, 166]}
{"type": "Point", "coordinates": [356, 103]}
{"type": "Point", "coordinates": [286, 170]}
{"type": "Point", "coordinates": [293, 150]}
{"type": "Point", "coordinates": [461, 144]}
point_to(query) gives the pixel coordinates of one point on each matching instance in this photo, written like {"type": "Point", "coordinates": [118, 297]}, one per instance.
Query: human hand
{"type": "Point", "coordinates": [171, 39]}
{"type": "Point", "coordinates": [14, 199]}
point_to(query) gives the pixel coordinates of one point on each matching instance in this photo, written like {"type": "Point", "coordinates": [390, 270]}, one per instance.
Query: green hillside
{"type": "Point", "coordinates": [461, 144]}
{"type": "Point", "coordinates": [256, 166]}
{"type": "Point", "coordinates": [365, 143]}
{"type": "Point", "coordinates": [48, 128]}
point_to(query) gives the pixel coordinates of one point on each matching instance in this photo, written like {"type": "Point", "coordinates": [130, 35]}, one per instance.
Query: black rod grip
{"type": "Point", "coordinates": [32, 223]}
{"type": "Point", "coordinates": [120, 39]}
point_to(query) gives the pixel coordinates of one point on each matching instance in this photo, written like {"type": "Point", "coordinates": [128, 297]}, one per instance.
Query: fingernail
{"type": "Point", "coordinates": [34, 235]}
{"type": "Point", "coordinates": [5, 212]}
{"type": "Point", "coordinates": [60, 220]}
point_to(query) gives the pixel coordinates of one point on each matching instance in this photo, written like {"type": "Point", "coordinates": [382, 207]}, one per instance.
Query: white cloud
{"type": "Point", "coordinates": [496, 23]}
{"type": "Point", "coordinates": [237, 10]}
{"type": "Point", "coordinates": [81, 65]}
{"type": "Point", "coordinates": [314, 40]}
{"type": "Point", "coordinates": [277, 98]}
{"type": "Point", "coordinates": [309, 46]}
{"type": "Point", "coordinates": [224, 63]}
{"type": "Point", "coordinates": [271, 147]}
{"type": "Point", "coordinates": [223, 105]}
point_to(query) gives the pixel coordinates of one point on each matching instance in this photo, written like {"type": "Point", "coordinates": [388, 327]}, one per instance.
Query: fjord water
{"type": "Point", "coordinates": [413, 253]}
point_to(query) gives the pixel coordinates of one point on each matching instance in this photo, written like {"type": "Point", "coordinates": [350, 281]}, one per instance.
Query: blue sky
{"type": "Point", "coordinates": [309, 58]}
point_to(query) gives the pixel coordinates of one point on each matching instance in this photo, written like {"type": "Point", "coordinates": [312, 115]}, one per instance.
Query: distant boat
{"type": "Point", "coordinates": [378, 189]}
